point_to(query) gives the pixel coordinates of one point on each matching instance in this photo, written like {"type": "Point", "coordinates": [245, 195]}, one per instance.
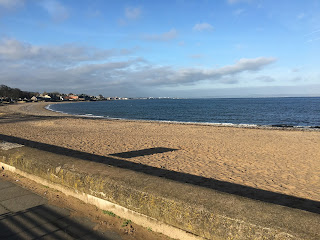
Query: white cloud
{"type": "Point", "coordinates": [313, 40]}
{"type": "Point", "coordinates": [132, 12]}
{"type": "Point", "coordinates": [297, 79]}
{"type": "Point", "coordinates": [203, 27]}
{"type": "Point", "coordinates": [240, 46]}
{"type": "Point", "coordinates": [295, 70]}
{"type": "Point", "coordinates": [122, 22]}
{"type": "Point", "coordinates": [313, 32]}
{"type": "Point", "coordinates": [243, 65]}
{"type": "Point", "coordinates": [313, 36]}
{"type": "Point", "coordinates": [166, 36]}
{"type": "Point", "coordinates": [239, 11]}
{"type": "Point", "coordinates": [11, 3]}
{"type": "Point", "coordinates": [78, 68]}
{"type": "Point", "coordinates": [14, 50]}
{"type": "Point", "coordinates": [238, 1]}
{"type": "Point", "coordinates": [55, 9]}
{"type": "Point", "coordinates": [265, 79]}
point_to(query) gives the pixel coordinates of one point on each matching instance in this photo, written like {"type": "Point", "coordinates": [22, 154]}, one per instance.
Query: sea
{"type": "Point", "coordinates": [294, 112]}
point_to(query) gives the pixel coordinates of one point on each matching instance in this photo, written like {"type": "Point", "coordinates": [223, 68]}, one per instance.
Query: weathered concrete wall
{"type": "Point", "coordinates": [201, 211]}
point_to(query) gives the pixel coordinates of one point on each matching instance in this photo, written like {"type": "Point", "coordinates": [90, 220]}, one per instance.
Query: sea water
{"type": "Point", "coordinates": [290, 111]}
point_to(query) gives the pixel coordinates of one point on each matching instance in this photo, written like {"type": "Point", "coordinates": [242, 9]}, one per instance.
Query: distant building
{"type": "Point", "coordinates": [47, 97]}
{"type": "Point", "coordinates": [64, 98]}
{"type": "Point", "coordinates": [37, 99]}
{"type": "Point", "coordinates": [73, 97]}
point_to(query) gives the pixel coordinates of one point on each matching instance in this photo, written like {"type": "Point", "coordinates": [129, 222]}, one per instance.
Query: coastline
{"type": "Point", "coordinates": [246, 126]}
{"type": "Point", "coordinates": [273, 159]}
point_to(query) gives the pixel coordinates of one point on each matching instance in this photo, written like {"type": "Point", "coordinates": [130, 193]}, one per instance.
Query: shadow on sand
{"type": "Point", "coordinates": [144, 152]}
{"type": "Point", "coordinates": [222, 186]}
{"type": "Point", "coordinates": [16, 118]}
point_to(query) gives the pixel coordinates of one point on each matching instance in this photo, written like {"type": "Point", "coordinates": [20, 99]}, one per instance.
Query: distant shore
{"type": "Point", "coordinates": [276, 159]}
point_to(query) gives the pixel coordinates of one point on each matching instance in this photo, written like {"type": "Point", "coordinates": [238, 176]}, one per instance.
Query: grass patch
{"type": "Point", "coordinates": [126, 223]}
{"type": "Point", "coordinates": [108, 213]}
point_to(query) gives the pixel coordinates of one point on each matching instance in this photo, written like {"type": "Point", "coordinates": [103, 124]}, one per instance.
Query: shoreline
{"type": "Point", "coordinates": [46, 108]}
{"type": "Point", "coordinates": [279, 160]}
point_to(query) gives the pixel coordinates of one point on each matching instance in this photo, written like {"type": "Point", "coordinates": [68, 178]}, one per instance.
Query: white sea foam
{"type": "Point", "coordinates": [48, 107]}
{"type": "Point", "coordinates": [89, 115]}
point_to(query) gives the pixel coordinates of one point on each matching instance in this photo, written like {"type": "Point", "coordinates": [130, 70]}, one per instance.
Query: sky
{"type": "Point", "coordinates": [168, 48]}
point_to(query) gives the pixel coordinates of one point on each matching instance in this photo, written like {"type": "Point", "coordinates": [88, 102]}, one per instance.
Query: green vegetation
{"type": "Point", "coordinates": [9, 94]}
{"type": "Point", "coordinates": [108, 213]}
{"type": "Point", "coordinates": [126, 223]}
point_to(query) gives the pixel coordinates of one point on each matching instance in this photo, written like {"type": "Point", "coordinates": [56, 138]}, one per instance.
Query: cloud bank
{"type": "Point", "coordinates": [67, 54]}
{"type": "Point", "coordinates": [79, 68]}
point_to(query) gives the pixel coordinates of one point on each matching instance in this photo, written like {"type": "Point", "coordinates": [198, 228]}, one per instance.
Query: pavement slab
{"type": "Point", "coordinates": [3, 210]}
{"type": "Point", "coordinates": [20, 203]}
{"type": "Point", "coordinates": [12, 192]}
{"type": "Point", "coordinates": [25, 215]}
{"type": "Point", "coordinates": [5, 184]}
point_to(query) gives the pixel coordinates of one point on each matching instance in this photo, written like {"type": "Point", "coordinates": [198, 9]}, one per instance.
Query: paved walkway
{"type": "Point", "coordinates": [25, 215]}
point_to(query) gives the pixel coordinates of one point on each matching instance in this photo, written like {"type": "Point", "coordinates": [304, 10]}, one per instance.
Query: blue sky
{"type": "Point", "coordinates": [182, 48]}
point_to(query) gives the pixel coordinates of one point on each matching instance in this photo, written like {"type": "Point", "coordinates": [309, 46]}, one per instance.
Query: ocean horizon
{"type": "Point", "coordinates": [265, 111]}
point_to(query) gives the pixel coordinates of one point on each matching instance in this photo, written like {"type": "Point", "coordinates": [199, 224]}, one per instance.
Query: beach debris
{"type": "Point", "coordinates": [58, 169]}
{"type": "Point", "coordinates": [8, 145]}
{"type": "Point", "coordinates": [128, 228]}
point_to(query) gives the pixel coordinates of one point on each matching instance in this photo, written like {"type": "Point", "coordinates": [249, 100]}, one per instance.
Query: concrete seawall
{"type": "Point", "coordinates": [177, 209]}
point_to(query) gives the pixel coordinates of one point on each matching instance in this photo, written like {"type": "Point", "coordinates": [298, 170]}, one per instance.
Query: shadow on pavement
{"type": "Point", "coordinates": [45, 222]}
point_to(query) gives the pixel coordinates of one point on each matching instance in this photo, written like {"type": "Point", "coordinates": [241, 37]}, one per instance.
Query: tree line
{"type": "Point", "coordinates": [8, 93]}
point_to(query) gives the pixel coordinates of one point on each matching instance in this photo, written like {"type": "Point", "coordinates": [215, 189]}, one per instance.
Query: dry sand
{"type": "Point", "coordinates": [277, 160]}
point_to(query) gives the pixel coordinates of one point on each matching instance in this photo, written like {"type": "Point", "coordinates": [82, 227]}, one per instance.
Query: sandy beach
{"type": "Point", "coordinates": [277, 160]}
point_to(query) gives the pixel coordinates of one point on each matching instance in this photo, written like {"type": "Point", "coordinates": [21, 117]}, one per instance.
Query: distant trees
{"type": "Point", "coordinates": [10, 94]}
{"type": "Point", "coordinates": [7, 92]}
{"type": "Point", "coordinates": [55, 96]}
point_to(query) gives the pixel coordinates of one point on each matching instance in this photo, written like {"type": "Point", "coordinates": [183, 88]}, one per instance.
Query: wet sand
{"type": "Point", "coordinates": [285, 161]}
